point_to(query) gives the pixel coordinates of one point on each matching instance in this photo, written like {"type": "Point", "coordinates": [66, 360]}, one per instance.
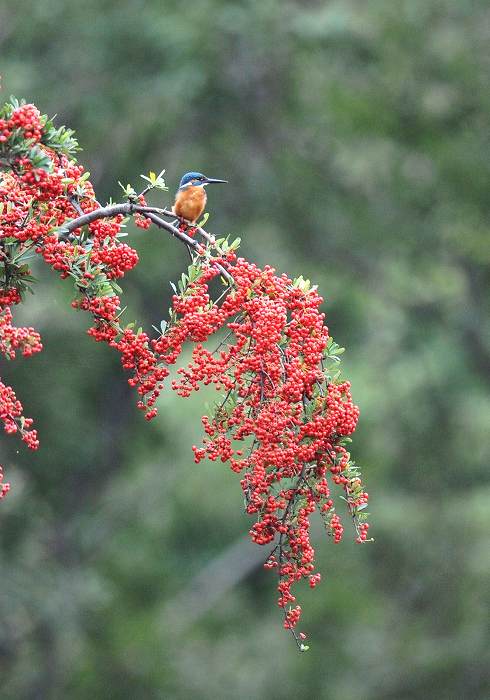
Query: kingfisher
{"type": "Point", "coordinates": [190, 198]}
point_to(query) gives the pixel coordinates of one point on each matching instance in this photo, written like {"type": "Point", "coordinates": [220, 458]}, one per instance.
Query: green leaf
{"type": "Point", "coordinates": [128, 189]}
{"type": "Point", "coordinates": [204, 219]}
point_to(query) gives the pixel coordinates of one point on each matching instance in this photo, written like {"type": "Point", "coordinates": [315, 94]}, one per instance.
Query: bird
{"type": "Point", "coordinates": [190, 198]}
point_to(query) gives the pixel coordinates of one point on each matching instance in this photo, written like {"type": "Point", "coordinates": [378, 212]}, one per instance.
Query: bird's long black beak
{"type": "Point", "coordinates": [213, 180]}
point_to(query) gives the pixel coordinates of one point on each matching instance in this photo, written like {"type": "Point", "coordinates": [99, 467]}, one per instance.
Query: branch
{"type": "Point", "coordinates": [204, 234]}
{"type": "Point", "coordinates": [100, 213]}
{"type": "Point", "coordinates": [152, 213]}
{"type": "Point", "coordinates": [190, 242]}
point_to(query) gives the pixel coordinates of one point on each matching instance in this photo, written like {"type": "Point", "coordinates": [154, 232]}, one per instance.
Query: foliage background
{"type": "Point", "coordinates": [355, 139]}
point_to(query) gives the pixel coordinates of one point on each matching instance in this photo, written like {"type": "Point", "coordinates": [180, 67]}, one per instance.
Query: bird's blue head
{"type": "Point", "coordinates": [197, 180]}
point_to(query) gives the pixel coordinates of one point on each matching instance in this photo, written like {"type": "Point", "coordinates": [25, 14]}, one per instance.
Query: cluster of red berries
{"type": "Point", "coordinates": [116, 260]}
{"type": "Point", "coordinates": [292, 617]}
{"type": "Point", "coordinates": [27, 340]}
{"type": "Point", "coordinates": [27, 118]}
{"type": "Point", "coordinates": [148, 373]}
{"type": "Point", "coordinates": [9, 297]}
{"type": "Point", "coordinates": [12, 418]}
{"type": "Point", "coordinates": [284, 420]}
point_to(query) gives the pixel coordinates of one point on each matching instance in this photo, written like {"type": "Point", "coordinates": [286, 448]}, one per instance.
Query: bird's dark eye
{"type": "Point", "coordinates": [202, 179]}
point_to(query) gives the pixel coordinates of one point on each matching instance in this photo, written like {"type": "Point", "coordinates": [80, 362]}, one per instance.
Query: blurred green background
{"type": "Point", "coordinates": [355, 138]}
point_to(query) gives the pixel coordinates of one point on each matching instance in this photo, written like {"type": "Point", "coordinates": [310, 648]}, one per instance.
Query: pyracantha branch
{"type": "Point", "coordinates": [284, 417]}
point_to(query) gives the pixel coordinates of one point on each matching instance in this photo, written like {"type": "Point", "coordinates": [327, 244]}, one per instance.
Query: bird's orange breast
{"type": "Point", "coordinates": [190, 202]}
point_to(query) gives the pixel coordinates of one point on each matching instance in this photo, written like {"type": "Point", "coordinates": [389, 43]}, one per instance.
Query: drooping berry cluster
{"type": "Point", "coordinates": [285, 419]}
{"type": "Point", "coordinates": [284, 416]}
{"type": "Point", "coordinates": [12, 418]}
{"type": "Point", "coordinates": [27, 340]}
